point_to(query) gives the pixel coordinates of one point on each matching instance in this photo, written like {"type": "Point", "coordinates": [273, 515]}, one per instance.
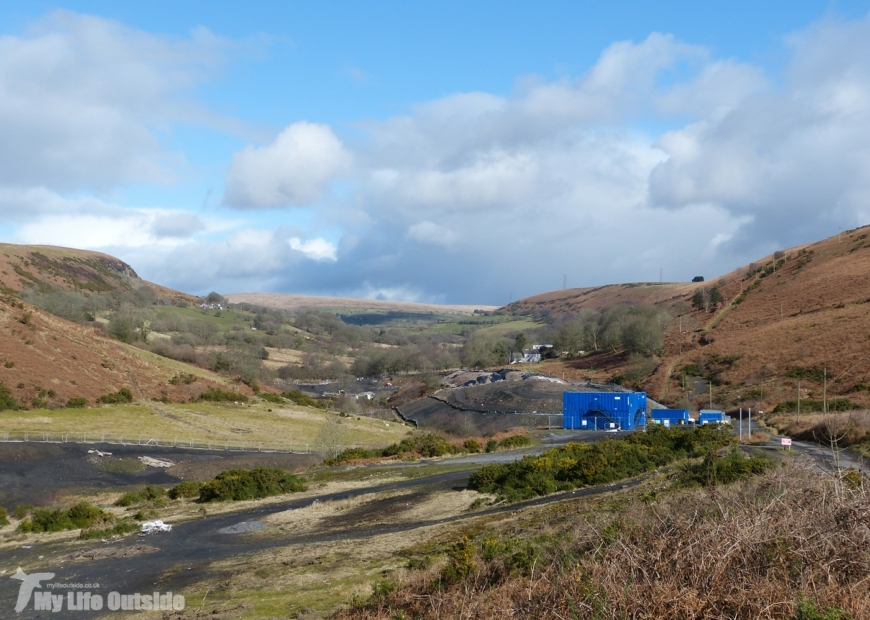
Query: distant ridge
{"type": "Point", "coordinates": [297, 302]}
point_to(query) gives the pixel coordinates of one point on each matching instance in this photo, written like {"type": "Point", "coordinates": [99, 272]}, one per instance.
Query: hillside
{"type": "Point", "coordinates": [796, 315]}
{"type": "Point", "coordinates": [298, 302]}
{"type": "Point", "coordinates": [46, 360]}
{"type": "Point", "coordinates": [54, 268]}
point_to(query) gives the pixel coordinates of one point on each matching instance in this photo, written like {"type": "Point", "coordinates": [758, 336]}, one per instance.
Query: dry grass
{"type": "Point", "coordinates": [752, 550]}
{"type": "Point", "coordinates": [851, 428]}
{"type": "Point", "coordinates": [264, 423]}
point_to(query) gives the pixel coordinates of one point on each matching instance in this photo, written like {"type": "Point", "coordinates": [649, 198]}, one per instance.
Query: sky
{"type": "Point", "coordinates": [442, 152]}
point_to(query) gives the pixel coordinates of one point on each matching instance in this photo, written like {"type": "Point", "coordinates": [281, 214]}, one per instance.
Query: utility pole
{"type": "Point", "coordinates": [711, 395]}
{"type": "Point", "coordinates": [741, 425]}
{"type": "Point", "coordinates": [780, 311]}
{"type": "Point", "coordinates": [750, 423]}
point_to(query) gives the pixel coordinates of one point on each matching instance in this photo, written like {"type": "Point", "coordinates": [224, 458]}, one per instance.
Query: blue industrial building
{"type": "Point", "coordinates": [603, 410]}
{"type": "Point", "coordinates": [670, 417]}
{"type": "Point", "coordinates": [711, 416]}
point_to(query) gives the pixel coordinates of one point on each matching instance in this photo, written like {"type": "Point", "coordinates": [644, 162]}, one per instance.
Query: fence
{"type": "Point", "coordinates": [176, 442]}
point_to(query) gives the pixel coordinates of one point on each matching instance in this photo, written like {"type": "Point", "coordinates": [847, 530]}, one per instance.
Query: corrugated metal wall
{"type": "Point", "coordinates": [706, 416]}
{"type": "Point", "coordinates": [603, 410]}
{"type": "Point", "coordinates": [670, 416]}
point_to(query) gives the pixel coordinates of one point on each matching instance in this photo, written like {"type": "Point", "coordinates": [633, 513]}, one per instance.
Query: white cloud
{"type": "Point", "coordinates": [316, 249]}
{"type": "Point", "coordinates": [84, 101]}
{"type": "Point", "coordinates": [294, 170]}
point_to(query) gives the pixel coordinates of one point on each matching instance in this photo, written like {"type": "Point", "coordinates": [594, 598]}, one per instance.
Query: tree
{"type": "Point", "coordinates": [332, 437]}
{"type": "Point", "coordinates": [520, 342]}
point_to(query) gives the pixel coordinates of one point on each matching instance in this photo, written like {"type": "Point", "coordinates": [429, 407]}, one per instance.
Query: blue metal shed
{"type": "Point", "coordinates": [710, 416]}
{"type": "Point", "coordinates": [604, 410]}
{"type": "Point", "coordinates": [670, 417]}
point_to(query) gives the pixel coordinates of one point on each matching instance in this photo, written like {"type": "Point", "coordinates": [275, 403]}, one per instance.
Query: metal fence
{"type": "Point", "coordinates": [175, 442]}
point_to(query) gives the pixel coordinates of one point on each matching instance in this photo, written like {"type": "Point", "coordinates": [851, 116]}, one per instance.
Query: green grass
{"type": "Point", "coordinates": [198, 422]}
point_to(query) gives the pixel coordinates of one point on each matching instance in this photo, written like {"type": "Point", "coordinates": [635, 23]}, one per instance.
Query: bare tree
{"type": "Point", "coordinates": [332, 438]}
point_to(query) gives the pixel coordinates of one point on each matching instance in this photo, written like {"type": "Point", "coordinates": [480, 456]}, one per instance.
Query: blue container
{"type": "Point", "coordinates": [670, 417]}
{"type": "Point", "coordinates": [603, 410]}
{"type": "Point", "coordinates": [710, 416]}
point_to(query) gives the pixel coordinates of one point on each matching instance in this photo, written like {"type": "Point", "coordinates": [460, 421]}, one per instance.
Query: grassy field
{"type": "Point", "coordinates": [266, 423]}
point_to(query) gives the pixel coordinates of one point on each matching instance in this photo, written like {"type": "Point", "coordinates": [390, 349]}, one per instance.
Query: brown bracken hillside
{"type": "Point", "coordinates": [798, 315]}
{"type": "Point", "coordinates": [46, 360]}
{"type": "Point", "coordinates": [69, 269]}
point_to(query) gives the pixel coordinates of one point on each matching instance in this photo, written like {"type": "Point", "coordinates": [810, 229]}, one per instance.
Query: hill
{"type": "Point", "coordinates": [797, 317]}
{"type": "Point", "coordinates": [298, 302]}
{"type": "Point", "coordinates": [46, 360]}
{"type": "Point", "coordinates": [54, 268]}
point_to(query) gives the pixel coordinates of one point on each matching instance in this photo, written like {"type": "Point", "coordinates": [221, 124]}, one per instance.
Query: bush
{"type": "Point", "coordinates": [82, 515]}
{"type": "Point", "coordinates": [272, 398]}
{"type": "Point", "coordinates": [77, 402]}
{"type": "Point", "coordinates": [301, 399]}
{"type": "Point", "coordinates": [574, 465]}
{"type": "Point", "coordinates": [128, 499]}
{"type": "Point", "coordinates": [187, 488]}
{"type": "Point", "coordinates": [4, 517]}
{"type": "Point", "coordinates": [491, 446]}
{"type": "Point", "coordinates": [245, 484]}
{"type": "Point", "coordinates": [471, 445]}
{"type": "Point", "coordinates": [21, 511]}
{"type": "Point", "coordinates": [217, 396]}
{"type": "Point", "coordinates": [186, 378]}
{"type": "Point", "coordinates": [125, 526]}
{"type": "Point", "coordinates": [715, 470]}
{"type": "Point", "coordinates": [6, 399]}
{"type": "Point", "coordinates": [121, 396]}
{"type": "Point", "coordinates": [514, 441]}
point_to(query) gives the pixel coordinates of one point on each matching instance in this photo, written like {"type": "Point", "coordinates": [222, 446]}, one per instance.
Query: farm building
{"type": "Point", "coordinates": [604, 410]}
{"type": "Point", "coordinates": [670, 417]}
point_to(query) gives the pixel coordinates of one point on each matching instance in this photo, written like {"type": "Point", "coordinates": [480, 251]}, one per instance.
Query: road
{"type": "Point", "coordinates": [182, 556]}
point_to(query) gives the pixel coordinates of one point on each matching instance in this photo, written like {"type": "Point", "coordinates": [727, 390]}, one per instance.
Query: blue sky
{"type": "Point", "coordinates": [457, 152]}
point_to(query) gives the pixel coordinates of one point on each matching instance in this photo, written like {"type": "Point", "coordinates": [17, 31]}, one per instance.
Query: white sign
{"type": "Point", "coordinates": [786, 441]}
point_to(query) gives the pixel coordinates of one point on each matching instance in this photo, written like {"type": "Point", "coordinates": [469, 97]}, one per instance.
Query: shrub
{"type": "Point", "coordinates": [574, 465]}
{"type": "Point", "coordinates": [125, 526]}
{"type": "Point", "coordinates": [82, 515]}
{"type": "Point", "coordinates": [715, 470]}
{"type": "Point", "coordinates": [471, 445]}
{"type": "Point", "coordinates": [4, 517]}
{"type": "Point", "coordinates": [187, 488]}
{"type": "Point", "coordinates": [128, 499]}
{"type": "Point", "coordinates": [491, 446]}
{"type": "Point", "coordinates": [514, 441]}
{"type": "Point", "coordinates": [245, 484]}
{"type": "Point", "coordinates": [21, 511]}
{"type": "Point", "coordinates": [77, 402]}
{"type": "Point", "coordinates": [301, 399]}
{"type": "Point", "coordinates": [272, 398]}
{"type": "Point", "coordinates": [216, 395]}
{"type": "Point", "coordinates": [186, 378]}
{"type": "Point", "coordinates": [121, 396]}
{"type": "Point", "coordinates": [6, 399]}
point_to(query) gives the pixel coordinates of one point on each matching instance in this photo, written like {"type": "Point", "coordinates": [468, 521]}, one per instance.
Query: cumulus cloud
{"type": "Point", "coordinates": [790, 161]}
{"type": "Point", "coordinates": [293, 170]}
{"type": "Point", "coordinates": [84, 100]}
{"type": "Point", "coordinates": [177, 225]}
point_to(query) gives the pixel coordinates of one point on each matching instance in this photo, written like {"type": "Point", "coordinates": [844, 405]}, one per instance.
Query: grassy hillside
{"type": "Point", "coordinates": [795, 316]}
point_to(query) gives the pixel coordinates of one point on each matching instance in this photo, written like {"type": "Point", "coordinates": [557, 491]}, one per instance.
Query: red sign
{"type": "Point", "coordinates": [786, 441]}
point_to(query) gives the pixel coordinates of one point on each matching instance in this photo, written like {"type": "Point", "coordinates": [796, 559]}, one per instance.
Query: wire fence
{"type": "Point", "coordinates": [175, 442]}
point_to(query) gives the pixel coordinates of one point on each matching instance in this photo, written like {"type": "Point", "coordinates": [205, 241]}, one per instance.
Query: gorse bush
{"type": "Point", "coordinates": [715, 470]}
{"type": "Point", "coordinates": [121, 396]}
{"type": "Point", "coordinates": [427, 445]}
{"type": "Point", "coordinates": [82, 515]}
{"type": "Point", "coordinates": [216, 396]}
{"type": "Point", "coordinates": [574, 465]}
{"type": "Point", "coordinates": [7, 401]}
{"type": "Point", "coordinates": [246, 484]}
{"type": "Point", "coordinates": [186, 488]}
